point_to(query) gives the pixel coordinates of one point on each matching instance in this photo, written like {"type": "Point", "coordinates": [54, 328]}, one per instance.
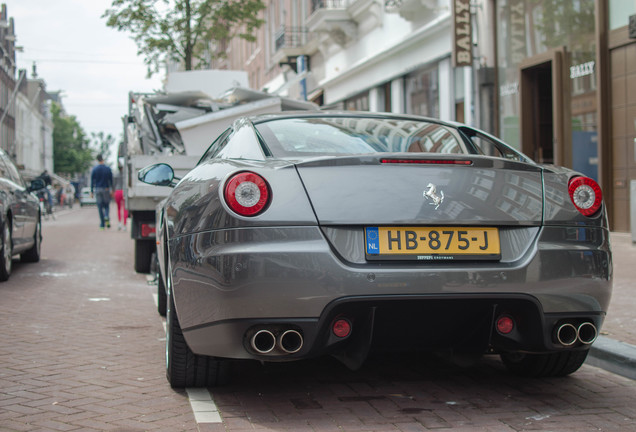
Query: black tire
{"type": "Point", "coordinates": [33, 254]}
{"type": "Point", "coordinates": [143, 255]}
{"type": "Point", "coordinates": [183, 367]}
{"type": "Point", "coordinates": [544, 365]}
{"type": "Point", "coordinates": [6, 252]}
{"type": "Point", "coordinates": [162, 297]}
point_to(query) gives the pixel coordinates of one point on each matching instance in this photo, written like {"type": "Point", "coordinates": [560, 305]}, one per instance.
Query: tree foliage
{"type": "Point", "coordinates": [188, 31]}
{"type": "Point", "coordinates": [570, 24]}
{"type": "Point", "coordinates": [71, 151]}
{"type": "Point", "coordinates": [102, 143]}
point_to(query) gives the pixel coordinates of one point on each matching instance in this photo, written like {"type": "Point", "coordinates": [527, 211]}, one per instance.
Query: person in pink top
{"type": "Point", "coordinates": [122, 213]}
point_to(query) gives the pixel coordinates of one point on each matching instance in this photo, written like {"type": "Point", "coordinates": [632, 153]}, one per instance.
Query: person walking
{"type": "Point", "coordinates": [101, 188]}
{"type": "Point", "coordinates": [122, 213]}
{"type": "Point", "coordinates": [69, 191]}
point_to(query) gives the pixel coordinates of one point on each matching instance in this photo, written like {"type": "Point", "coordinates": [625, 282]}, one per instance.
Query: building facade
{"type": "Point", "coordinates": [358, 54]}
{"type": "Point", "coordinates": [554, 79]}
{"type": "Point", "coordinates": [617, 106]}
{"type": "Point", "coordinates": [566, 89]}
{"type": "Point", "coordinates": [8, 82]}
{"type": "Point", "coordinates": [26, 129]}
{"type": "Point", "coordinates": [34, 129]}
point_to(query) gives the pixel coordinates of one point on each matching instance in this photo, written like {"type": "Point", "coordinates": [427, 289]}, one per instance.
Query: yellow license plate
{"type": "Point", "coordinates": [432, 243]}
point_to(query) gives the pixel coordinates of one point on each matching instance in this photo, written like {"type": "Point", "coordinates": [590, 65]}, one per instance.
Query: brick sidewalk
{"type": "Point", "coordinates": [620, 323]}
{"type": "Point", "coordinates": [82, 349]}
{"type": "Point", "coordinates": [82, 344]}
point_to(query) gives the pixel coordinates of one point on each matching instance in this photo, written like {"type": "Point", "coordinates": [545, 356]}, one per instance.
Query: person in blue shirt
{"type": "Point", "coordinates": [102, 188]}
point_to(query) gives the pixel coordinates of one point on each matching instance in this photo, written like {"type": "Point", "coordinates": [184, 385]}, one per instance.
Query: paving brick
{"type": "Point", "coordinates": [70, 363]}
{"type": "Point", "coordinates": [52, 425]}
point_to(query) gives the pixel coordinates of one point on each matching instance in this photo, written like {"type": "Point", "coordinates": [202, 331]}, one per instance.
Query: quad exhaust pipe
{"type": "Point", "coordinates": [290, 341]}
{"type": "Point", "coordinates": [587, 333]}
{"type": "Point", "coordinates": [265, 341]}
{"type": "Point", "coordinates": [567, 334]}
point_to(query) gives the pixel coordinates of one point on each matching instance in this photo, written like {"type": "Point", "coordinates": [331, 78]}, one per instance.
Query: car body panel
{"type": "Point", "coordinates": [302, 262]}
{"type": "Point", "coordinates": [298, 277]}
{"type": "Point", "coordinates": [19, 204]}
{"type": "Point", "coordinates": [363, 190]}
{"type": "Point", "coordinates": [200, 191]}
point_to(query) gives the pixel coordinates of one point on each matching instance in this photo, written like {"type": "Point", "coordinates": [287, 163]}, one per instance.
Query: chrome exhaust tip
{"type": "Point", "coordinates": [567, 334]}
{"type": "Point", "coordinates": [263, 341]}
{"type": "Point", "coordinates": [587, 333]}
{"type": "Point", "coordinates": [290, 341]}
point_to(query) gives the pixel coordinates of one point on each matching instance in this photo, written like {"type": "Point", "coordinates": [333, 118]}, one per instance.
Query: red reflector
{"type": "Point", "coordinates": [148, 230]}
{"type": "Point", "coordinates": [505, 324]}
{"type": "Point", "coordinates": [427, 161]}
{"type": "Point", "coordinates": [341, 328]}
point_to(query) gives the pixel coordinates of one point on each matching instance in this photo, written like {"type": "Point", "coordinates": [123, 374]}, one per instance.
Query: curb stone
{"type": "Point", "coordinates": [613, 356]}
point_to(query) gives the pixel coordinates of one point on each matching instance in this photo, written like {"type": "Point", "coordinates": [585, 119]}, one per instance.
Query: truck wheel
{"type": "Point", "coordinates": [143, 255]}
{"type": "Point", "coordinates": [183, 367]}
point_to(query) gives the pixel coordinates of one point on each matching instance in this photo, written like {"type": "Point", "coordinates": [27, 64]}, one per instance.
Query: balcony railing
{"type": "Point", "coordinates": [327, 4]}
{"type": "Point", "coordinates": [290, 37]}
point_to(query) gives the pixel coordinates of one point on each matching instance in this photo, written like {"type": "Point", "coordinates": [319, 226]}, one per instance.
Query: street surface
{"type": "Point", "coordinates": [82, 349]}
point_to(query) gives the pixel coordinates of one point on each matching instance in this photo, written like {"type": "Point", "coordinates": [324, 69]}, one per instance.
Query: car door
{"type": "Point", "coordinates": [21, 203]}
{"type": "Point", "coordinates": [7, 194]}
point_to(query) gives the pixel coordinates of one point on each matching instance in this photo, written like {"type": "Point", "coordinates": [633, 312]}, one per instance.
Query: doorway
{"type": "Point", "coordinates": [538, 140]}
{"type": "Point", "coordinates": [543, 129]}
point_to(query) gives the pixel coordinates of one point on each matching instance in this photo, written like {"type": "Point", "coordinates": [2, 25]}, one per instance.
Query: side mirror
{"type": "Point", "coordinates": [36, 185]}
{"type": "Point", "coordinates": [160, 174]}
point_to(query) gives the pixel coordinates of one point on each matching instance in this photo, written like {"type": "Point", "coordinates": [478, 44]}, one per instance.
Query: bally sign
{"type": "Point", "coordinates": [462, 34]}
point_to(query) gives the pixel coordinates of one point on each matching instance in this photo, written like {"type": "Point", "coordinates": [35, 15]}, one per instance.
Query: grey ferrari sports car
{"type": "Point", "coordinates": [304, 234]}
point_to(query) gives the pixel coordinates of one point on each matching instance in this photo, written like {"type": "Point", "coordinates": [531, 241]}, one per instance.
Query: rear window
{"type": "Point", "coordinates": [355, 135]}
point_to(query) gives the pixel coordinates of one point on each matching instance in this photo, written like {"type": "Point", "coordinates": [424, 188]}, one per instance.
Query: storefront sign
{"type": "Point", "coordinates": [509, 89]}
{"type": "Point", "coordinates": [517, 36]}
{"type": "Point", "coordinates": [462, 34]}
{"type": "Point", "coordinates": [581, 70]}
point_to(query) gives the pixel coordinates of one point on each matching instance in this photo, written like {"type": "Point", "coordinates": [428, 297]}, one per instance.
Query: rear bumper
{"type": "Point", "coordinates": [459, 324]}
{"type": "Point", "coordinates": [229, 284]}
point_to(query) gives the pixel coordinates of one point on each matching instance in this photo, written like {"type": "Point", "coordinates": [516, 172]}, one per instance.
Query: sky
{"type": "Point", "coordinates": [93, 65]}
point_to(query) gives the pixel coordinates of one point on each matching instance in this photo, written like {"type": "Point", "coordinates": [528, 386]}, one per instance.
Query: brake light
{"type": "Point", "coordinates": [427, 161]}
{"type": "Point", "coordinates": [247, 193]}
{"type": "Point", "coordinates": [586, 195]}
{"type": "Point", "coordinates": [148, 230]}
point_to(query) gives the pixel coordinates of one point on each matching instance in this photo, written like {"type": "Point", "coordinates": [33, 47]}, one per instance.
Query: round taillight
{"type": "Point", "coordinates": [247, 193]}
{"type": "Point", "coordinates": [341, 328]}
{"type": "Point", "coordinates": [505, 324]}
{"type": "Point", "coordinates": [586, 195]}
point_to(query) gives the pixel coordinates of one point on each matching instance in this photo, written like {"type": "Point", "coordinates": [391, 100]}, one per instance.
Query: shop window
{"type": "Point", "coordinates": [422, 93]}
{"type": "Point", "coordinates": [358, 103]}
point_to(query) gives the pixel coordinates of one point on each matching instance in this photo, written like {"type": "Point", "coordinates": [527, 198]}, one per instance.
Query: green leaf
{"type": "Point", "coordinates": [183, 30]}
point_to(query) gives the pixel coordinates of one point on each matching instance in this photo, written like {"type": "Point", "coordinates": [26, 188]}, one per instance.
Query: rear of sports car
{"type": "Point", "coordinates": [441, 245]}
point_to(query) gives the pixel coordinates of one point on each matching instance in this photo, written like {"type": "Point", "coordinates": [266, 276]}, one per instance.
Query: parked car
{"type": "Point", "coordinates": [20, 217]}
{"type": "Point", "coordinates": [299, 235]}
{"type": "Point", "coordinates": [86, 198]}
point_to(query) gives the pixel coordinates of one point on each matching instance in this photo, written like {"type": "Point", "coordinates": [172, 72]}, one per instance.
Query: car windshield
{"type": "Point", "coordinates": [359, 135]}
